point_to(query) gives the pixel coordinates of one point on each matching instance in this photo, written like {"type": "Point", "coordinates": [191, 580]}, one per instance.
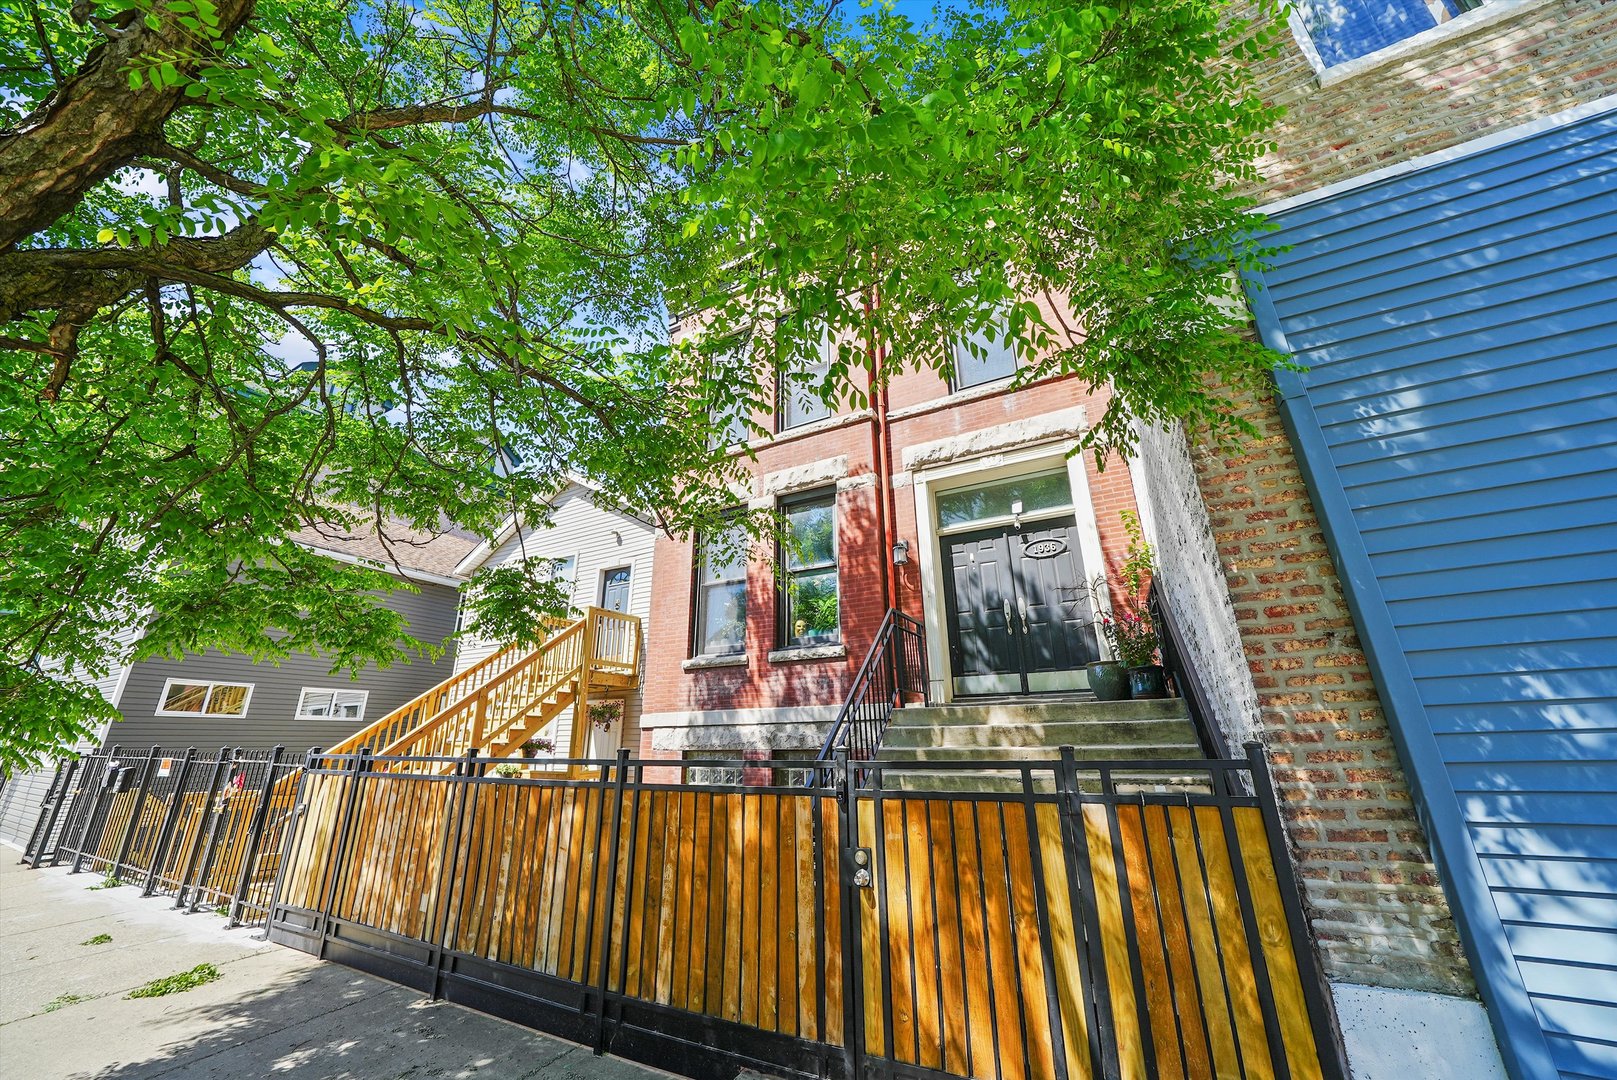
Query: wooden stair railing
{"type": "Point", "coordinates": [507, 697]}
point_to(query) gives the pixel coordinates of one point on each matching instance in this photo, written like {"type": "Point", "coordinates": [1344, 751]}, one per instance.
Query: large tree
{"type": "Point", "coordinates": [269, 263]}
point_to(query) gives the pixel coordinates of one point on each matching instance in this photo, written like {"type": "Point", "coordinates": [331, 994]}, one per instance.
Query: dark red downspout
{"type": "Point", "coordinates": [881, 451]}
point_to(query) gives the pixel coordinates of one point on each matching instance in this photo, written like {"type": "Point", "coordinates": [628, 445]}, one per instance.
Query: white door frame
{"type": "Point", "coordinates": [928, 483]}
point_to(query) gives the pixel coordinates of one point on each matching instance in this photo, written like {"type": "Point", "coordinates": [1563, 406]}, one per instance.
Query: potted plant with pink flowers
{"type": "Point", "coordinates": [1129, 629]}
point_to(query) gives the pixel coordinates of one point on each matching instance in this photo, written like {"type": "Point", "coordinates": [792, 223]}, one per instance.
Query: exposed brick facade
{"type": "Point", "coordinates": [1376, 905]}
{"type": "Point", "coordinates": [1374, 897]}
{"type": "Point", "coordinates": [1539, 59]}
{"type": "Point", "coordinates": [763, 683]}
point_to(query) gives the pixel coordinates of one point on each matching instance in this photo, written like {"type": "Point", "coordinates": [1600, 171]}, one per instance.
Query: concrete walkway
{"type": "Point", "coordinates": [275, 1013]}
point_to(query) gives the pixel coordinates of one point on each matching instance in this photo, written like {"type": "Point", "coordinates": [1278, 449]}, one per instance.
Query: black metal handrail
{"type": "Point", "coordinates": [894, 667]}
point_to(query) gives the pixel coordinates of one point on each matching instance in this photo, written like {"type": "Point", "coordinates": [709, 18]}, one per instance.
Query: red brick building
{"type": "Point", "coordinates": [908, 486]}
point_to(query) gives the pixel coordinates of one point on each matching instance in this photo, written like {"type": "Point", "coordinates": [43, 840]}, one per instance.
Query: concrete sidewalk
{"type": "Point", "coordinates": [276, 1012]}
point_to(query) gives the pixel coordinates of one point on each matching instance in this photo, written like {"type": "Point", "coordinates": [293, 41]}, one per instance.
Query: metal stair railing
{"type": "Point", "coordinates": [895, 667]}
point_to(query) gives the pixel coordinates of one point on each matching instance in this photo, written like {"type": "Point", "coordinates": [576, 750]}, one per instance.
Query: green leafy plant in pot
{"type": "Point", "coordinates": [1130, 631]}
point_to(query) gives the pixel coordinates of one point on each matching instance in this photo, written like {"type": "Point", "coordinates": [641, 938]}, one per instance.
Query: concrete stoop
{"type": "Point", "coordinates": [1098, 731]}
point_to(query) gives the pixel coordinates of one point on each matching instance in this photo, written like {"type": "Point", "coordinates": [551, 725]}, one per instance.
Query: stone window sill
{"type": "Point", "coordinates": [703, 663]}
{"type": "Point", "coordinates": [798, 653]}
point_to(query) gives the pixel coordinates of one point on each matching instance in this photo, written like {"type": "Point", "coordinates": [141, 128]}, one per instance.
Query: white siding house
{"type": "Point", "coordinates": [594, 542]}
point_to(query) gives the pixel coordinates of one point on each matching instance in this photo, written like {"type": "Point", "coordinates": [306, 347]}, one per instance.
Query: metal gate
{"type": "Point", "coordinates": [1061, 919]}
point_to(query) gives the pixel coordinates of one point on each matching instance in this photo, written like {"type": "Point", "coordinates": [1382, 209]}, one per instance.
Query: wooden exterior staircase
{"type": "Point", "coordinates": [502, 701]}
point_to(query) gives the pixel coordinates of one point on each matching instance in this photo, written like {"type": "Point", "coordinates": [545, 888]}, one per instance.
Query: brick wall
{"type": "Point", "coordinates": [763, 683]}
{"type": "Point", "coordinates": [1373, 896]}
{"type": "Point", "coordinates": [1540, 59]}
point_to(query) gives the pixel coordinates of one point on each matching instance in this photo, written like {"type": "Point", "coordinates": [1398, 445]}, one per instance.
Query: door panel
{"type": "Point", "coordinates": [979, 595]}
{"type": "Point", "coordinates": [1052, 607]}
{"type": "Point", "coordinates": [615, 589]}
{"type": "Point", "coordinates": [1017, 610]}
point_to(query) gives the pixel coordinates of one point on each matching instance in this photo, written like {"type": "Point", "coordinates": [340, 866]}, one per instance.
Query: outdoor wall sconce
{"type": "Point", "coordinates": [901, 552]}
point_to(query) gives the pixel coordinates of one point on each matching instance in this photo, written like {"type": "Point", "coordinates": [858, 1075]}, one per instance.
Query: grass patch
{"type": "Point", "coordinates": [200, 975]}
{"type": "Point", "coordinates": [106, 883]}
{"type": "Point", "coordinates": [62, 1001]}
{"type": "Point", "coordinates": [99, 939]}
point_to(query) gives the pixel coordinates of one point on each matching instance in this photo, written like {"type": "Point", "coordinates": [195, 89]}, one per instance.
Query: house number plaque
{"type": "Point", "coordinates": [1047, 548]}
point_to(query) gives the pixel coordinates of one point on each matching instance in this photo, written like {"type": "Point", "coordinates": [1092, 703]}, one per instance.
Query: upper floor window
{"type": "Point", "coordinates": [315, 704]}
{"type": "Point", "coordinates": [721, 593]}
{"type": "Point", "coordinates": [810, 609]}
{"type": "Point", "coordinates": [1343, 30]}
{"type": "Point", "coordinates": [983, 357]}
{"type": "Point", "coordinates": [800, 389]}
{"type": "Point", "coordinates": [186, 698]}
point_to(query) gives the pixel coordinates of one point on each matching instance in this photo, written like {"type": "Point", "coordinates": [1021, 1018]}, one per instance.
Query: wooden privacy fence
{"type": "Point", "coordinates": [1061, 928]}
{"type": "Point", "coordinates": [203, 828]}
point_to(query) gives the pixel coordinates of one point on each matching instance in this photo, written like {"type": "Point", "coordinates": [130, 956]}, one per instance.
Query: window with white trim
{"type": "Point", "coordinates": [800, 389]}
{"type": "Point", "coordinates": [983, 356]}
{"type": "Point", "coordinates": [721, 593]}
{"type": "Point", "coordinates": [317, 704]}
{"type": "Point", "coordinates": [183, 697]}
{"type": "Point", "coordinates": [810, 608]}
{"type": "Point", "coordinates": [1343, 30]}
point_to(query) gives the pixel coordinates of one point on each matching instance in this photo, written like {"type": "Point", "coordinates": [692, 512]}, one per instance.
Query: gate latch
{"type": "Point", "coordinates": [859, 859]}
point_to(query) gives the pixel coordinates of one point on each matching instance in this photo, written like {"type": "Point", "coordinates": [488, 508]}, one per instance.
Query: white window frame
{"type": "Point", "coordinates": [961, 344]}
{"type": "Point", "coordinates": [246, 703]}
{"type": "Point", "coordinates": [1491, 11]}
{"type": "Point", "coordinates": [364, 703]}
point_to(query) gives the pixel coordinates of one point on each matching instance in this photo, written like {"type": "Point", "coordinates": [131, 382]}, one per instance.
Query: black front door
{"type": "Point", "coordinates": [1018, 610]}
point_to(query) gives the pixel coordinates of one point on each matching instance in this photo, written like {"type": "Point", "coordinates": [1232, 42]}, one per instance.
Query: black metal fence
{"type": "Point", "coordinates": [1055, 920]}
{"type": "Point", "coordinates": [205, 829]}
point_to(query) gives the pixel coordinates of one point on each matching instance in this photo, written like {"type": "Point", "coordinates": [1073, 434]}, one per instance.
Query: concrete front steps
{"type": "Point", "coordinates": [1037, 729]}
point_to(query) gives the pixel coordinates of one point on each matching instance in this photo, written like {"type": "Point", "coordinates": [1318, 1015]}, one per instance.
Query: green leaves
{"type": "Point", "coordinates": [472, 226]}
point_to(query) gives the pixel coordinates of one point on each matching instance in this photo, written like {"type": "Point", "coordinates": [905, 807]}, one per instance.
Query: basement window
{"type": "Point", "coordinates": [185, 698]}
{"type": "Point", "coordinates": [1337, 31]}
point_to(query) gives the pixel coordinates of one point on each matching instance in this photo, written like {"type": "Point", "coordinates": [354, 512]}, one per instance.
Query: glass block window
{"type": "Point", "coordinates": [1343, 30]}
{"type": "Point", "coordinates": [721, 593]}
{"type": "Point", "coordinates": [810, 608]}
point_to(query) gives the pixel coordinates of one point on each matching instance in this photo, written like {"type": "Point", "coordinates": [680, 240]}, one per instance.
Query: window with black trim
{"type": "Point", "coordinates": [1343, 30]}
{"type": "Point", "coordinates": [810, 608]}
{"type": "Point", "coordinates": [983, 357]}
{"type": "Point", "coordinates": [800, 401]}
{"type": "Point", "coordinates": [721, 593]}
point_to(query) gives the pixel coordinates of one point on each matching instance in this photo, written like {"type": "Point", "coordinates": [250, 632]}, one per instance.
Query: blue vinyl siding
{"type": "Point", "coordinates": [1457, 423]}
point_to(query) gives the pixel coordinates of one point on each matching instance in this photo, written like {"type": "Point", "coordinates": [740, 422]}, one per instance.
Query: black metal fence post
{"type": "Point", "coordinates": [171, 816]}
{"type": "Point", "coordinates": [184, 882]}
{"type": "Point", "coordinates": [1309, 974]}
{"type": "Point", "coordinates": [221, 815]}
{"type": "Point", "coordinates": [611, 896]}
{"type": "Point", "coordinates": [361, 762]}
{"type": "Point", "coordinates": [94, 811]}
{"type": "Point", "coordinates": [853, 988]}
{"type": "Point", "coordinates": [55, 796]}
{"type": "Point", "coordinates": [255, 835]}
{"type": "Point", "coordinates": [448, 865]}
{"type": "Point", "coordinates": [1086, 917]}
{"type": "Point", "coordinates": [137, 811]}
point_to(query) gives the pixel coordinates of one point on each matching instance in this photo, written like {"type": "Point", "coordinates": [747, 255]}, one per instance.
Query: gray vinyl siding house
{"type": "Point", "coordinates": [267, 712]}
{"type": "Point", "coordinates": [271, 714]}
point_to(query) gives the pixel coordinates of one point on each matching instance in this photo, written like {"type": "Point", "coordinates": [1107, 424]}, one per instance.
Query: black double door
{"type": "Point", "coordinates": [1018, 610]}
